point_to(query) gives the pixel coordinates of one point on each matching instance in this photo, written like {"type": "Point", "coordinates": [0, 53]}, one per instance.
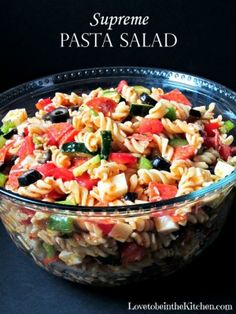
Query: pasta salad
{"type": "Point", "coordinates": [118, 146]}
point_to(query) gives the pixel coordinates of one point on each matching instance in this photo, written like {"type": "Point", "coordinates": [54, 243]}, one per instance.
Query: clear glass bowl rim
{"type": "Point", "coordinates": [71, 210]}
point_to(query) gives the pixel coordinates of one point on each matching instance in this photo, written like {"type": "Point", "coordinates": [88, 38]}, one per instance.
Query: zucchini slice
{"type": "Point", "coordinates": [76, 148]}
{"type": "Point", "coordinates": [106, 144]}
{"type": "Point", "coordinates": [140, 110]}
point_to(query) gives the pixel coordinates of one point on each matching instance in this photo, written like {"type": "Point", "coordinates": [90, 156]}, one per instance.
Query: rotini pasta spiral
{"type": "Point", "coordinates": [193, 179]}
{"type": "Point", "coordinates": [106, 170]}
{"type": "Point", "coordinates": [60, 159]}
{"type": "Point", "coordinates": [107, 124]}
{"type": "Point", "coordinates": [166, 150]}
{"type": "Point", "coordinates": [226, 140]}
{"type": "Point", "coordinates": [91, 140]}
{"type": "Point", "coordinates": [135, 146]}
{"type": "Point", "coordinates": [206, 113]}
{"type": "Point", "coordinates": [147, 239]}
{"type": "Point", "coordinates": [62, 99]}
{"type": "Point", "coordinates": [178, 126]}
{"type": "Point", "coordinates": [194, 140]}
{"type": "Point", "coordinates": [38, 189]}
{"type": "Point", "coordinates": [146, 176]}
{"type": "Point", "coordinates": [141, 224]}
{"type": "Point", "coordinates": [209, 156]}
{"type": "Point", "coordinates": [122, 111]}
{"type": "Point", "coordinates": [158, 111]}
{"type": "Point", "coordinates": [128, 92]}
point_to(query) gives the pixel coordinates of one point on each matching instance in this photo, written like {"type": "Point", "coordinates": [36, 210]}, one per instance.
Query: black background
{"type": "Point", "coordinates": [30, 48]}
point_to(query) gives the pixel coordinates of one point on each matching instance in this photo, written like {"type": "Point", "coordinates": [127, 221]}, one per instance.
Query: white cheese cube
{"type": "Point", "coordinates": [222, 169]}
{"type": "Point", "coordinates": [121, 231]}
{"type": "Point", "coordinates": [17, 116]}
{"type": "Point", "coordinates": [113, 188]}
{"type": "Point", "coordinates": [165, 224]}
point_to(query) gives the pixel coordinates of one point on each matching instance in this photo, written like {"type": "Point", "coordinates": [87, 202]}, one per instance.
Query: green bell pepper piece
{"type": "Point", "coordinates": [144, 163]}
{"type": "Point", "coordinates": [3, 179]}
{"type": "Point", "coordinates": [171, 114]}
{"type": "Point", "coordinates": [66, 202]}
{"type": "Point", "coordinates": [106, 137]}
{"type": "Point", "coordinates": [227, 127]}
{"type": "Point", "coordinates": [60, 223]}
{"type": "Point", "coordinates": [49, 249]}
{"type": "Point", "coordinates": [174, 142]}
{"type": "Point", "coordinates": [7, 126]}
{"type": "Point", "coordinates": [2, 141]}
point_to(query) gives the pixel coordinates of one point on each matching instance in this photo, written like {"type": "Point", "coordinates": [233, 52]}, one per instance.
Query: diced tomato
{"type": "Point", "coordinates": [225, 151]}
{"type": "Point", "coordinates": [86, 181]}
{"type": "Point", "coordinates": [142, 137]}
{"type": "Point", "coordinates": [33, 236]}
{"type": "Point", "coordinates": [49, 260]}
{"type": "Point", "coordinates": [102, 104]}
{"type": "Point", "coordinates": [233, 151]}
{"type": "Point", "coordinates": [4, 151]}
{"type": "Point", "coordinates": [170, 213]}
{"type": "Point", "coordinates": [62, 173]}
{"type": "Point", "coordinates": [15, 172]}
{"type": "Point", "coordinates": [50, 170]}
{"type": "Point", "coordinates": [153, 126]}
{"type": "Point", "coordinates": [56, 131]}
{"type": "Point", "coordinates": [158, 191]}
{"type": "Point", "coordinates": [27, 148]}
{"type": "Point", "coordinates": [132, 252]}
{"type": "Point", "coordinates": [177, 96]}
{"type": "Point", "coordinates": [49, 108]}
{"type": "Point", "coordinates": [26, 131]}
{"type": "Point", "coordinates": [123, 158]}
{"type": "Point", "coordinates": [106, 227]}
{"type": "Point", "coordinates": [213, 141]}
{"type": "Point", "coordinates": [42, 103]}
{"type": "Point", "coordinates": [46, 169]}
{"type": "Point", "coordinates": [27, 211]}
{"type": "Point", "coordinates": [26, 221]}
{"type": "Point", "coordinates": [184, 152]}
{"type": "Point", "coordinates": [53, 195]}
{"type": "Point", "coordinates": [68, 137]}
{"type": "Point", "coordinates": [179, 218]}
{"type": "Point", "coordinates": [121, 85]}
{"type": "Point", "coordinates": [210, 127]}
{"type": "Point", "coordinates": [50, 139]}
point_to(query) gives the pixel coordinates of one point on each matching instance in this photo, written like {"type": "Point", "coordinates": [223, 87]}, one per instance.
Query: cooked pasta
{"type": "Point", "coordinates": [178, 126]}
{"type": "Point", "coordinates": [115, 147]}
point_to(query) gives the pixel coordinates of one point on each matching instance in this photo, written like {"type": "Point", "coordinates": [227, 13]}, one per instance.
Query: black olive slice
{"type": "Point", "coordinates": [160, 163]}
{"type": "Point", "coordinates": [29, 177]}
{"type": "Point", "coordinates": [60, 114]}
{"type": "Point", "coordinates": [195, 113]}
{"type": "Point", "coordinates": [8, 163]}
{"type": "Point", "coordinates": [10, 134]}
{"type": "Point", "coordinates": [146, 99]}
{"type": "Point", "coordinates": [130, 196]}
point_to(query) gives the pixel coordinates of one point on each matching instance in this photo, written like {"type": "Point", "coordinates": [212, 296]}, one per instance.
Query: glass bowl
{"type": "Point", "coordinates": [86, 251]}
